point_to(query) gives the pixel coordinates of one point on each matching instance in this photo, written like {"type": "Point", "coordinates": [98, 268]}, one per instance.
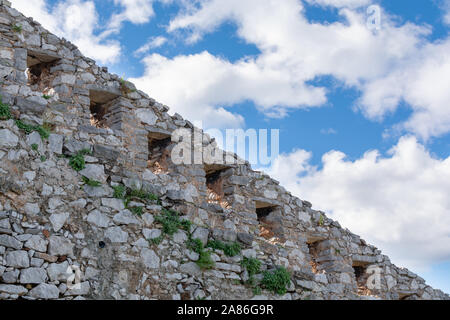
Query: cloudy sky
{"type": "Point", "coordinates": [363, 112]}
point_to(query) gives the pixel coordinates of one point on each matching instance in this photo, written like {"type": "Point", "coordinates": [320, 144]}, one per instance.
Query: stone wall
{"type": "Point", "coordinates": [55, 221]}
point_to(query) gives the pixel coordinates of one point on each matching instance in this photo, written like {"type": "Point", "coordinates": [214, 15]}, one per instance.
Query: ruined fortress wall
{"type": "Point", "coordinates": [52, 221]}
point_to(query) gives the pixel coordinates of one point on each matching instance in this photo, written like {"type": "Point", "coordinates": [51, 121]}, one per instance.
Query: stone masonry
{"type": "Point", "coordinates": [59, 226]}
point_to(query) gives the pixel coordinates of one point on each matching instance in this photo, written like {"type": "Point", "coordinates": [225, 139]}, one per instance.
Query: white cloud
{"type": "Point", "coordinates": [195, 85]}
{"type": "Point", "coordinates": [422, 82]}
{"type": "Point", "coordinates": [77, 21]}
{"type": "Point", "coordinates": [400, 202]}
{"type": "Point", "coordinates": [392, 65]}
{"type": "Point", "coordinates": [153, 43]}
{"type": "Point", "coordinates": [135, 11]}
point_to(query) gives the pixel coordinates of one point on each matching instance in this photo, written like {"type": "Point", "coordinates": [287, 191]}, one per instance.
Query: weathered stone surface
{"type": "Point", "coordinates": [13, 289]}
{"type": "Point", "coordinates": [125, 217]}
{"type": "Point", "coordinates": [45, 291]}
{"type": "Point", "coordinates": [82, 289]}
{"type": "Point", "coordinates": [94, 172]}
{"type": "Point", "coordinates": [59, 220]}
{"type": "Point", "coordinates": [116, 235]}
{"type": "Point", "coordinates": [59, 271]}
{"type": "Point", "coordinates": [150, 259]}
{"type": "Point", "coordinates": [30, 106]}
{"type": "Point", "coordinates": [10, 276]}
{"type": "Point", "coordinates": [33, 275]}
{"type": "Point", "coordinates": [151, 234]}
{"type": "Point", "coordinates": [55, 143]}
{"type": "Point", "coordinates": [10, 242]}
{"type": "Point", "coordinates": [37, 243]}
{"type": "Point", "coordinates": [59, 246]}
{"type": "Point", "coordinates": [98, 219]}
{"type": "Point", "coordinates": [190, 268]}
{"type": "Point", "coordinates": [17, 259]}
{"type": "Point", "coordinates": [8, 139]}
{"type": "Point", "coordinates": [116, 204]}
{"type": "Point", "coordinates": [146, 116]}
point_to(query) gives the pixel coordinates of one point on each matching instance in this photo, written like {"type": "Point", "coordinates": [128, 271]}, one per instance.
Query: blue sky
{"type": "Point", "coordinates": [363, 114]}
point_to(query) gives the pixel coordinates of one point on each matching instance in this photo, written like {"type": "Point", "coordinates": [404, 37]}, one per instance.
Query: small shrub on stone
{"type": "Point", "coordinates": [28, 128]}
{"type": "Point", "coordinates": [5, 113]}
{"type": "Point", "coordinates": [77, 162]}
{"type": "Point", "coordinates": [256, 291]}
{"type": "Point", "coordinates": [34, 147]}
{"type": "Point", "coordinates": [277, 281]}
{"type": "Point", "coordinates": [252, 265]}
{"type": "Point", "coordinates": [137, 210]}
{"type": "Point", "coordinates": [170, 221]}
{"type": "Point", "coordinates": [321, 220]}
{"type": "Point", "coordinates": [16, 28]}
{"type": "Point", "coordinates": [140, 194]}
{"type": "Point", "coordinates": [91, 183]}
{"type": "Point", "coordinates": [119, 191]}
{"type": "Point", "coordinates": [195, 245]}
{"type": "Point", "coordinates": [230, 249]}
{"type": "Point", "coordinates": [205, 261]}
{"type": "Point", "coordinates": [156, 241]}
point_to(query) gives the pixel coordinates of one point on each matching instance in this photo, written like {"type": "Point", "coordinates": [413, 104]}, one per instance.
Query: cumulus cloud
{"type": "Point", "coordinates": [392, 65]}
{"type": "Point", "coordinates": [398, 202]}
{"type": "Point", "coordinates": [77, 21]}
{"type": "Point", "coordinates": [135, 11]}
{"type": "Point", "coordinates": [195, 85]}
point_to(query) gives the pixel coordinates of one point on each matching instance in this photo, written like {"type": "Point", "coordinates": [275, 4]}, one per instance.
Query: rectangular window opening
{"type": "Point", "coordinates": [269, 225]}
{"type": "Point", "coordinates": [38, 72]}
{"type": "Point", "coordinates": [314, 253]}
{"type": "Point", "coordinates": [215, 178]}
{"type": "Point", "coordinates": [101, 113]}
{"type": "Point", "coordinates": [361, 276]}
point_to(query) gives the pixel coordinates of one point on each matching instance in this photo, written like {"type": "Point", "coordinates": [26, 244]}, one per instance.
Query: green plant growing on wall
{"type": "Point", "coordinates": [77, 161]}
{"type": "Point", "coordinates": [137, 210]}
{"type": "Point", "coordinates": [277, 280]}
{"type": "Point", "coordinates": [170, 221]}
{"type": "Point", "coordinates": [128, 194]}
{"type": "Point", "coordinates": [16, 28]}
{"type": "Point", "coordinates": [230, 249]}
{"type": "Point", "coordinates": [91, 183]}
{"type": "Point", "coordinates": [252, 265]}
{"type": "Point", "coordinates": [156, 241]}
{"type": "Point", "coordinates": [321, 220]}
{"type": "Point", "coordinates": [119, 191]}
{"type": "Point", "coordinates": [205, 261]}
{"type": "Point", "coordinates": [28, 128]}
{"type": "Point", "coordinates": [34, 147]}
{"type": "Point", "coordinates": [195, 245]}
